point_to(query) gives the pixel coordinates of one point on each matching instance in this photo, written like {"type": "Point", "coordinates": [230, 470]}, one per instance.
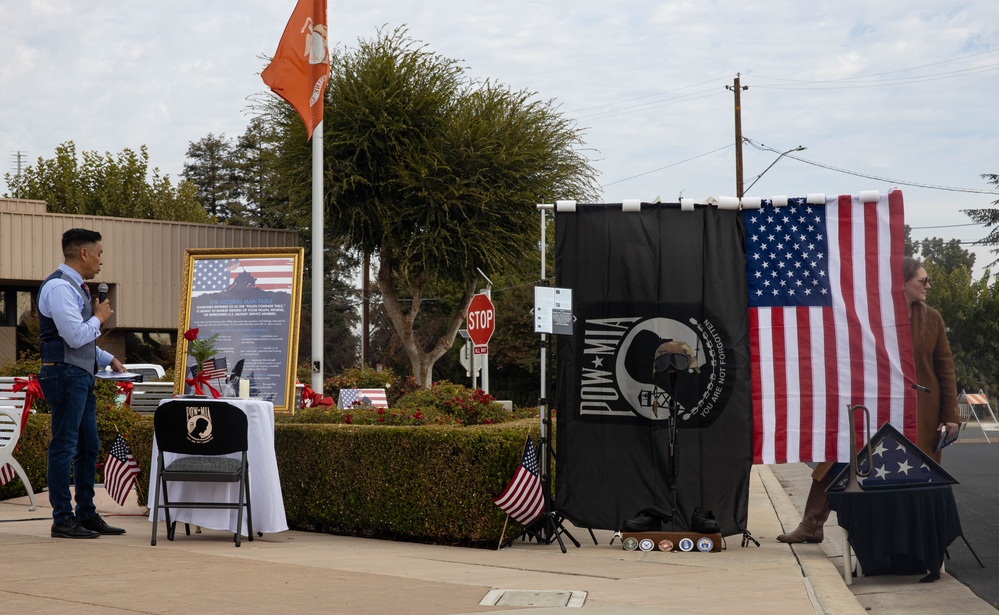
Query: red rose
{"type": "Point", "coordinates": [191, 334]}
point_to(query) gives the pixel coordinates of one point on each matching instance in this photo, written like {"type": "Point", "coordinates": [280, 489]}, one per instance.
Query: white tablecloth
{"type": "Point", "coordinates": [265, 484]}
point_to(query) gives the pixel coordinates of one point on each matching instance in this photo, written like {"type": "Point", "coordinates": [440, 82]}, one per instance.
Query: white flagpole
{"type": "Point", "coordinates": [318, 272]}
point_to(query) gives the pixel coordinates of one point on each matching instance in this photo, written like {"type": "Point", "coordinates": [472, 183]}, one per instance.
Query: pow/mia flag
{"type": "Point", "coordinates": [641, 279]}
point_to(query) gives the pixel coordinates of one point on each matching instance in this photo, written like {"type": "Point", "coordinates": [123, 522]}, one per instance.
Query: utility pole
{"type": "Point", "coordinates": [737, 88]}
{"type": "Point", "coordinates": [365, 310]}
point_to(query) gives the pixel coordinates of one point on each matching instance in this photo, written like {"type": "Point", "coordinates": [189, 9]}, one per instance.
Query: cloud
{"type": "Point", "coordinates": [898, 90]}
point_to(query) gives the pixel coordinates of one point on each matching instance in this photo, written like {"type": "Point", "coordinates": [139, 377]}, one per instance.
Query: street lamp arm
{"type": "Point", "coordinates": [796, 149]}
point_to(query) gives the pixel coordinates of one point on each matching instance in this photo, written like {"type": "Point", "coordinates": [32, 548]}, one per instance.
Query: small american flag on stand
{"type": "Point", "coordinates": [215, 368]}
{"type": "Point", "coordinates": [524, 499]}
{"type": "Point", "coordinates": [120, 471]}
{"type": "Point", "coordinates": [371, 397]}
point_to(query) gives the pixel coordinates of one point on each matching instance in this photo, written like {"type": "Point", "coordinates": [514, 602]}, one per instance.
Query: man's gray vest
{"type": "Point", "coordinates": [54, 348]}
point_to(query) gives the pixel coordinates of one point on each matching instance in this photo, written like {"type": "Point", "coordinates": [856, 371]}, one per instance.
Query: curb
{"type": "Point", "coordinates": [829, 594]}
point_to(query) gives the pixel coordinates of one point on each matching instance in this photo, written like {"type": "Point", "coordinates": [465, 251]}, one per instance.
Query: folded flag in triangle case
{"type": "Point", "coordinates": [897, 462]}
{"type": "Point", "coordinates": [523, 499]}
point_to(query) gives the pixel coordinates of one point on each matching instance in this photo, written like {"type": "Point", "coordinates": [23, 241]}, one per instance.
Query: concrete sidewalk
{"type": "Point", "coordinates": [304, 572]}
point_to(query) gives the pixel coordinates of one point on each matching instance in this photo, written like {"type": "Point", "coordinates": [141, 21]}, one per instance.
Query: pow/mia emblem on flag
{"type": "Point", "coordinates": [616, 355]}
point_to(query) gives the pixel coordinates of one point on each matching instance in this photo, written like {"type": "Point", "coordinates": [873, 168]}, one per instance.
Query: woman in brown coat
{"type": "Point", "coordinates": [937, 408]}
{"type": "Point", "coordinates": [934, 363]}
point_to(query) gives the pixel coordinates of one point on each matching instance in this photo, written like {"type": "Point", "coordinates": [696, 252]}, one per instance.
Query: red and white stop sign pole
{"type": "Point", "coordinates": [480, 323]}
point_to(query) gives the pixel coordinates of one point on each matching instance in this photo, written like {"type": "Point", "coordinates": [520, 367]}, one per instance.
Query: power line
{"type": "Point", "coordinates": [919, 228]}
{"type": "Point", "coordinates": [628, 100]}
{"type": "Point", "coordinates": [886, 82]}
{"type": "Point", "coordinates": [760, 146]}
{"type": "Point", "coordinates": [647, 106]}
{"type": "Point", "coordinates": [890, 72]}
{"type": "Point", "coordinates": [669, 165]}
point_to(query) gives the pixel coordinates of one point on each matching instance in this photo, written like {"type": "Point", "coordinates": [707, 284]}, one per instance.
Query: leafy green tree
{"type": "Point", "coordinates": [971, 313]}
{"type": "Point", "coordinates": [435, 175]}
{"type": "Point", "coordinates": [119, 185]}
{"type": "Point", "coordinates": [946, 255]}
{"type": "Point", "coordinates": [970, 309]}
{"type": "Point", "coordinates": [989, 217]}
{"type": "Point", "coordinates": [213, 169]}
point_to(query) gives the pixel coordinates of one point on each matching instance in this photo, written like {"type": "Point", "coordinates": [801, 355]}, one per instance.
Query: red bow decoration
{"type": "Point", "coordinates": [125, 387]}
{"type": "Point", "coordinates": [202, 380]}
{"type": "Point", "coordinates": [311, 399]}
{"type": "Point", "coordinates": [32, 390]}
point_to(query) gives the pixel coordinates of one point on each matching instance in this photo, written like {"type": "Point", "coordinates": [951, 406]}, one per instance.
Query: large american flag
{"type": "Point", "coordinates": [828, 323]}
{"type": "Point", "coordinates": [372, 397]}
{"type": "Point", "coordinates": [215, 275]}
{"type": "Point", "coordinates": [120, 470]}
{"type": "Point", "coordinates": [523, 499]}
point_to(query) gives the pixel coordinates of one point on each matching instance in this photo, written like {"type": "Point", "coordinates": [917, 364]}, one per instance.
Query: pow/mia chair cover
{"type": "Point", "coordinates": [205, 433]}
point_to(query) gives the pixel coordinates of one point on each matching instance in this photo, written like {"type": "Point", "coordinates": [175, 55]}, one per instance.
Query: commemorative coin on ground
{"type": "Point", "coordinates": [705, 544]}
{"type": "Point", "coordinates": [686, 545]}
{"type": "Point", "coordinates": [665, 544]}
{"type": "Point", "coordinates": [647, 544]}
{"type": "Point", "coordinates": [630, 543]}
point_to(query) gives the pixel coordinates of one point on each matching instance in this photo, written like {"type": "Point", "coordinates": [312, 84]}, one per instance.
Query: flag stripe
{"type": "Point", "coordinates": [804, 364]}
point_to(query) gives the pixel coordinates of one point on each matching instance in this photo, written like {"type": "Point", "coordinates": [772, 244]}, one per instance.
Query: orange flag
{"type": "Point", "coordinates": [301, 66]}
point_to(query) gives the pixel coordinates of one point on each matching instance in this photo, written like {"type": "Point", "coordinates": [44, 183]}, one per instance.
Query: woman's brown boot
{"type": "Point", "coordinates": [816, 513]}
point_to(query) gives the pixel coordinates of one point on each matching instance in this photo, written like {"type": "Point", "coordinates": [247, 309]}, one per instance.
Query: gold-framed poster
{"type": "Point", "coordinates": [245, 304]}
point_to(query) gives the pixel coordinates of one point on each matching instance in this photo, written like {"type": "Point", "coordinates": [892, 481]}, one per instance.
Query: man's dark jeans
{"type": "Point", "coordinates": [69, 392]}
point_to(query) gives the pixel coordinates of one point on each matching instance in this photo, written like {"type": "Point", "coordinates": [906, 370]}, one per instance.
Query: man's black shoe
{"type": "Point", "coordinates": [648, 520]}
{"type": "Point", "coordinates": [96, 524]}
{"type": "Point", "coordinates": [72, 529]}
{"type": "Point", "coordinates": [703, 522]}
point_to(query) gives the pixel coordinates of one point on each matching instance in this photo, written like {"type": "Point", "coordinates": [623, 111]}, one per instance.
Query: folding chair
{"type": "Point", "coordinates": [11, 425]}
{"type": "Point", "coordinates": [205, 433]}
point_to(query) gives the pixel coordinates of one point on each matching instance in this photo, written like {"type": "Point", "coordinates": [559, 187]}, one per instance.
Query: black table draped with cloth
{"type": "Point", "coordinates": [899, 531]}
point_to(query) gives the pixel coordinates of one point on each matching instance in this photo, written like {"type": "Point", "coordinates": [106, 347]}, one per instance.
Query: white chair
{"type": "Point", "coordinates": [10, 433]}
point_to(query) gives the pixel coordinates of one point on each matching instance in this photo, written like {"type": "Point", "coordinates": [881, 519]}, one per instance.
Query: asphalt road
{"type": "Point", "coordinates": [976, 464]}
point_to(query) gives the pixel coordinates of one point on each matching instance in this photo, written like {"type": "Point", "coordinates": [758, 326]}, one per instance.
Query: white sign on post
{"type": "Point", "coordinates": [553, 310]}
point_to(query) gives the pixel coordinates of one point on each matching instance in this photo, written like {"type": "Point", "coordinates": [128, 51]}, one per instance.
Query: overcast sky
{"type": "Point", "coordinates": [902, 91]}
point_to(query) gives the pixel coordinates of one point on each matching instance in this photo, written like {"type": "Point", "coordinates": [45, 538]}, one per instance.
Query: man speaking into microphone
{"type": "Point", "coordinates": [70, 323]}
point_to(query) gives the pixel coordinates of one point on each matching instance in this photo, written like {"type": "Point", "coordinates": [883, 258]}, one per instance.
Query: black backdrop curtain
{"type": "Point", "coordinates": [638, 279]}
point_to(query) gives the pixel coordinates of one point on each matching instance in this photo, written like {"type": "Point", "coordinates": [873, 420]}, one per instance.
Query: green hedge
{"type": "Point", "coordinates": [433, 484]}
{"type": "Point", "coordinates": [423, 484]}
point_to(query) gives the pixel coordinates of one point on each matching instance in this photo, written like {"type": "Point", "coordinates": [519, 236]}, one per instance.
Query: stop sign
{"type": "Point", "coordinates": [481, 319]}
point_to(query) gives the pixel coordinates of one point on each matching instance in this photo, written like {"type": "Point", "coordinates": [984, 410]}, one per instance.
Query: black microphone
{"type": "Point", "coordinates": [102, 292]}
